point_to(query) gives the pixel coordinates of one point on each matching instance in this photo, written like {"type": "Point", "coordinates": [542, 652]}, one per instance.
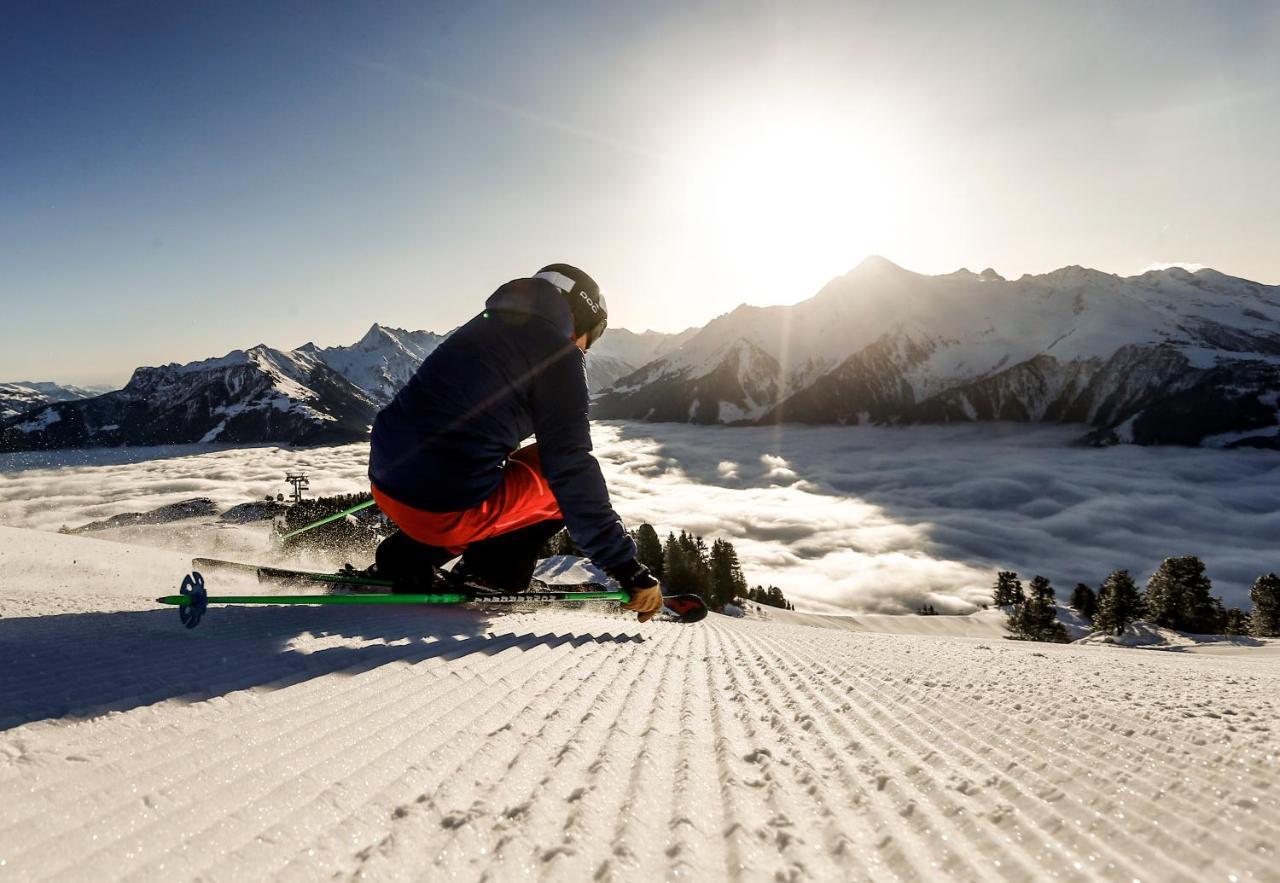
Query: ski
{"type": "Point", "coordinates": [353, 581]}
{"type": "Point", "coordinates": [265, 573]}
{"type": "Point", "coordinates": [193, 599]}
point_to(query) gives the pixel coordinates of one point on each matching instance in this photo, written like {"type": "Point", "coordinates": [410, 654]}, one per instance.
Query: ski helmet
{"type": "Point", "coordinates": [590, 312]}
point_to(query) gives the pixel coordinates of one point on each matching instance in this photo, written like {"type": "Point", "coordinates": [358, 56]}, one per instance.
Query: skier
{"type": "Point", "coordinates": [445, 463]}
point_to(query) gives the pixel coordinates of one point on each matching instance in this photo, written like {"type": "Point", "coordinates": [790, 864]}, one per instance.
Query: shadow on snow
{"type": "Point", "coordinates": [83, 664]}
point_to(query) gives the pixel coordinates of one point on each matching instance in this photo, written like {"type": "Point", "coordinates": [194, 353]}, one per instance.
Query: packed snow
{"type": "Point", "coordinates": [307, 743]}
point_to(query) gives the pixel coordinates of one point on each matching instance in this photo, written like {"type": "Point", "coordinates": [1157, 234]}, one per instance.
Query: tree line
{"type": "Point", "coordinates": [683, 562]}
{"type": "Point", "coordinates": [355, 534]}
{"type": "Point", "coordinates": [686, 565]}
{"type": "Point", "coordinates": [1177, 596]}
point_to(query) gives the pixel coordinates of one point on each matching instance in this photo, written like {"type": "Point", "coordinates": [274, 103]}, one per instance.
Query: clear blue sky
{"type": "Point", "coordinates": [180, 179]}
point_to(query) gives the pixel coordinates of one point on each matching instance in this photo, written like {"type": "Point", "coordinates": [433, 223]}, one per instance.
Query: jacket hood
{"type": "Point", "coordinates": [534, 297]}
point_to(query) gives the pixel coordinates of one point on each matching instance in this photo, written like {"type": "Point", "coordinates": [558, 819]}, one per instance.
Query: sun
{"type": "Point", "coordinates": [810, 190]}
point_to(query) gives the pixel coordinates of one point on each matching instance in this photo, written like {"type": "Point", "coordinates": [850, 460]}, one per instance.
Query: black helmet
{"type": "Point", "coordinates": [590, 312]}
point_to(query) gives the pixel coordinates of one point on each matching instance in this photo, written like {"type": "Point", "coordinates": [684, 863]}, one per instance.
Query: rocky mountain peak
{"type": "Point", "coordinates": [375, 336]}
{"type": "Point", "coordinates": [877, 264]}
{"type": "Point", "coordinates": [1075, 345]}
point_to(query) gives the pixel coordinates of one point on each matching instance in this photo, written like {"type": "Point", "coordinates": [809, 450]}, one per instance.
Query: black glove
{"type": "Point", "coordinates": [646, 593]}
{"type": "Point", "coordinates": [632, 575]}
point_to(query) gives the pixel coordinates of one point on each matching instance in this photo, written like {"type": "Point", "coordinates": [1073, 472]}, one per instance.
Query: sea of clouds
{"type": "Point", "coordinates": [842, 518]}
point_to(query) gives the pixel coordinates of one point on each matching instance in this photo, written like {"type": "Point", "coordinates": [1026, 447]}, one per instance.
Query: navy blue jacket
{"type": "Point", "coordinates": [511, 372]}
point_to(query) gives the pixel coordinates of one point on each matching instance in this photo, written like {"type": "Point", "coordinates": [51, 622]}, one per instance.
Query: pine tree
{"type": "Point", "coordinates": [727, 581]}
{"type": "Point", "coordinates": [1008, 590]}
{"type": "Point", "coordinates": [1118, 604]}
{"type": "Point", "coordinates": [1036, 619]}
{"type": "Point", "coordinates": [1178, 597]}
{"type": "Point", "coordinates": [685, 566]}
{"type": "Point", "coordinates": [674, 568]}
{"type": "Point", "coordinates": [649, 549]}
{"type": "Point", "coordinates": [699, 566]}
{"type": "Point", "coordinates": [1235, 622]}
{"type": "Point", "coordinates": [771, 597]}
{"type": "Point", "coordinates": [1084, 600]}
{"type": "Point", "coordinates": [1216, 622]}
{"type": "Point", "coordinates": [1265, 595]}
{"type": "Point", "coordinates": [356, 534]}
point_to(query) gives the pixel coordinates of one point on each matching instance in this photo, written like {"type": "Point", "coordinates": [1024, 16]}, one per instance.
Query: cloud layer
{"type": "Point", "coordinates": [875, 519]}
{"type": "Point", "coordinates": [842, 518]}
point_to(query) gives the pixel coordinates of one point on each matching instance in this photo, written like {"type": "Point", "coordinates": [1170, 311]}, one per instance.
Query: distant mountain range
{"type": "Point", "coordinates": [24, 395]}
{"type": "Point", "coordinates": [1167, 357]}
{"type": "Point", "coordinates": [310, 395]}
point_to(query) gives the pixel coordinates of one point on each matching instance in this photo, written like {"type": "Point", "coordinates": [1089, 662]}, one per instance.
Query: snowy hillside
{"type": "Point", "coordinates": [1168, 356]}
{"type": "Point", "coordinates": [24, 395]}
{"type": "Point", "coordinates": [308, 743]}
{"type": "Point", "coordinates": [305, 396]}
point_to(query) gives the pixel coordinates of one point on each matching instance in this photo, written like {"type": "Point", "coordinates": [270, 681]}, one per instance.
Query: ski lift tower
{"type": "Point", "coordinates": [299, 482]}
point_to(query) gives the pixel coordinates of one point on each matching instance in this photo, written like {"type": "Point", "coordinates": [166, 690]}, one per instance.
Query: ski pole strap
{"type": "Point", "coordinates": [326, 520]}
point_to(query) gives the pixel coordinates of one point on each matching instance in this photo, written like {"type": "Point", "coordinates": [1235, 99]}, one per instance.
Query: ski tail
{"type": "Point", "coordinates": [266, 573]}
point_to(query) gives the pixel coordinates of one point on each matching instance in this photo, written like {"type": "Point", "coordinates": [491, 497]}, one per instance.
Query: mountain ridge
{"type": "Point", "coordinates": [19, 396]}
{"type": "Point", "coordinates": [307, 395]}
{"type": "Point", "coordinates": [882, 344]}
{"type": "Point", "coordinates": [1166, 356]}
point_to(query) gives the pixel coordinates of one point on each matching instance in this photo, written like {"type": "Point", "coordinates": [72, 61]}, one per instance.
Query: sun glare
{"type": "Point", "coordinates": [794, 189]}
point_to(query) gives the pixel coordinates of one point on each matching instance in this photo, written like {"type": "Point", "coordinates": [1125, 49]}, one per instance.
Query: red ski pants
{"type": "Point", "coordinates": [523, 498]}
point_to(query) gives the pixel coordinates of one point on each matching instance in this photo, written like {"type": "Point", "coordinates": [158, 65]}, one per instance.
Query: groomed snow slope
{"type": "Point", "coordinates": [293, 743]}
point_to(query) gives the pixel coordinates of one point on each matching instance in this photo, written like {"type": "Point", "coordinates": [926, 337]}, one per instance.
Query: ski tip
{"type": "Point", "coordinates": [686, 608]}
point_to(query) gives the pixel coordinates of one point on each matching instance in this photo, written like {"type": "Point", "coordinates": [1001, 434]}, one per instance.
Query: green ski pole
{"type": "Point", "coordinates": [328, 519]}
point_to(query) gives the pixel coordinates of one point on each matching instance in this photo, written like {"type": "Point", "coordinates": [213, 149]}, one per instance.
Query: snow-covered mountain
{"type": "Point", "coordinates": [310, 395]}
{"type": "Point", "coordinates": [24, 395]}
{"type": "Point", "coordinates": [254, 395]}
{"type": "Point", "coordinates": [621, 352]}
{"type": "Point", "coordinates": [1165, 357]}
{"type": "Point", "coordinates": [380, 362]}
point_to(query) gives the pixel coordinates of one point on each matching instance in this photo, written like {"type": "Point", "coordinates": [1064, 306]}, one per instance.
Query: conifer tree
{"type": "Point", "coordinates": [1008, 590]}
{"type": "Point", "coordinates": [1118, 604]}
{"type": "Point", "coordinates": [1235, 622]}
{"type": "Point", "coordinates": [727, 581]}
{"type": "Point", "coordinates": [1036, 619]}
{"type": "Point", "coordinates": [1084, 600]}
{"type": "Point", "coordinates": [649, 549]}
{"type": "Point", "coordinates": [1177, 597]}
{"type": "Point", "coordinates": [1265, 594]}
{"type": "Point", "coordinates": [685, 566]}
{"type": "Point", "coordinates": [674, 567]}
{"type": "Point", "coordinates": [771, 597]}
